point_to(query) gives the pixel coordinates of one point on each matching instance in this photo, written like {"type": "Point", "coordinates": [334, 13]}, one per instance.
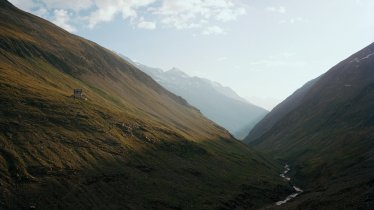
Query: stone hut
{"type": "Point", "coordinates": [77, 93]}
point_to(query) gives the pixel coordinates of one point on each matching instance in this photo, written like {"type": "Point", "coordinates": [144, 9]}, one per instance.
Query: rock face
{"type": "Point", "coordinates": [131, 145]}
{"type": "Point", "coordinates": [218, 103]}
{"type": "Point", "coordinates": [326, 131]}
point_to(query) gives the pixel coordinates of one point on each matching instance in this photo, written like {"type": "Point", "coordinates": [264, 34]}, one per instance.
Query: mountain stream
{"type": "Point", "coordinates": [288, 179]}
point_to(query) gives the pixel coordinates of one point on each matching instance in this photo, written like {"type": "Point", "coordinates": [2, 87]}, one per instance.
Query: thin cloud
{"type": "Point", "coordinates": [186, 14]}
{"type": "Point", "coordinates": [62, 19]}
{"type": "Point", "coordinates": [106, 11]}
{"type": "Point", "coordinates": [178, 14]}
{"type": "Point", "coordinates": [280, 9]}
{"type": "Point", "coordinates": [293, 20]}
{"type": "Point", "coordinates": [75, 5]}
{"type": "Point", "coordinates": [223, 58]}
{"type": "Point", "coordinates": [284, 59]}
{"type": "Point", "coordinates": [213, 30]}
{"type": "Point", "coordinates": [146, 25]}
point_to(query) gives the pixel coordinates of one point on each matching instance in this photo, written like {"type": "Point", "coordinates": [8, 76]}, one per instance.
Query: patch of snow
{"type": "Point", "coordinates": [357, 60]}
{"type": "Point", "coordinates": [366, 57]}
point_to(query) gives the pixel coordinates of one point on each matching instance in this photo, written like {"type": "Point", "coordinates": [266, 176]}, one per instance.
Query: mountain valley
{"type": "Point", "coordinates": [325, 132]}
{"type": "Point", "coordinates": [127, 143]}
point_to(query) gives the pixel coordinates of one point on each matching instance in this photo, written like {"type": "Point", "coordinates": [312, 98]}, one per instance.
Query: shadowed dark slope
{"type": "Point", "coordinates": [130, 145]}
{"type": "Point", "coordinates": [279, 112]}
{"type": "Point", "coordinates": [328, 137]}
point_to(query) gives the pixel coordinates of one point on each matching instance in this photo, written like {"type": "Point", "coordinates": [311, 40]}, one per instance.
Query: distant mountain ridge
{"type": "Point", "coordinates": [218, 103]}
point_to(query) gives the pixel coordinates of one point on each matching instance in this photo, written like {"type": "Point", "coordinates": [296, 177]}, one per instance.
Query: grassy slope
{"type": "Point", "coordinates": [329, 138]}
{"type": "Point", "coordinates": [131, 145]}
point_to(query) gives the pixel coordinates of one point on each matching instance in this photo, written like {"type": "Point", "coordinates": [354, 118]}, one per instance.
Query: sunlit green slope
{"type": "Point", "coordinates": [130, 144]}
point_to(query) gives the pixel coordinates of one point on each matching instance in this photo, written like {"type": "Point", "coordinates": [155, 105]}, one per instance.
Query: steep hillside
{"type": "Point", "coordinates": [127, 144]}
{"type": "Point", "coordinates": [280, 111]}
{"type": "Point", "coordinates": [218, 103]}
{"type": "Point", "coordinates": [328, 136]}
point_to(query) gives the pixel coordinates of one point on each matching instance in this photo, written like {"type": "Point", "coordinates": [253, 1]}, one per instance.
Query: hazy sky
{"type": "Point", "coordinates": [263, 49]}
